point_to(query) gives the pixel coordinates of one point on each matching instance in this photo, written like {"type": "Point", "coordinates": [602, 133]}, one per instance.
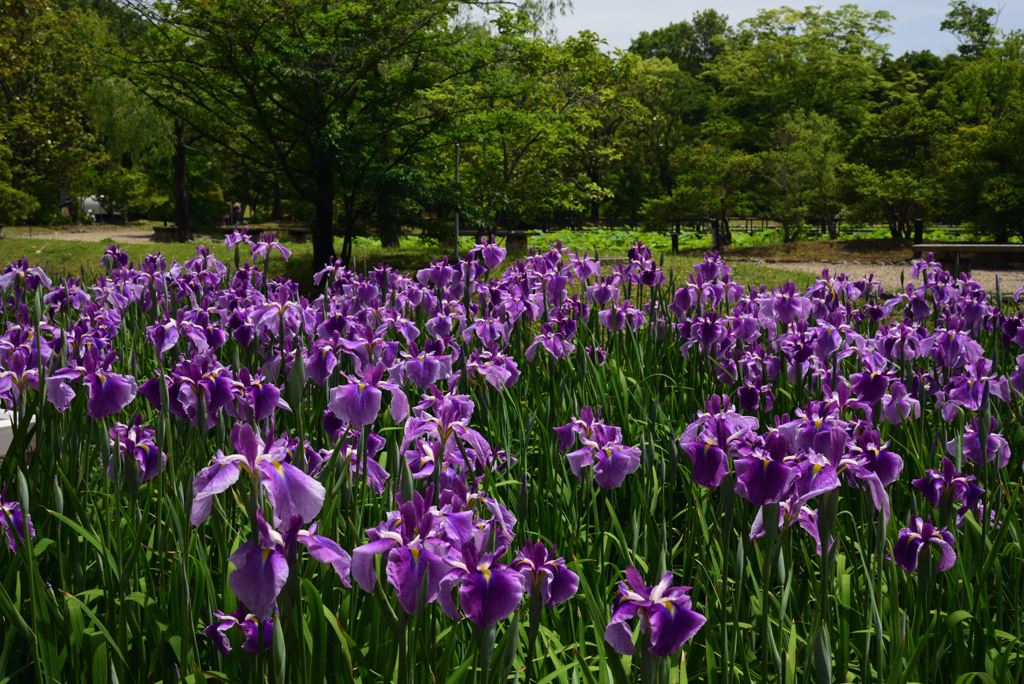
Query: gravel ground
{"type": "Point", "coordinates": [889, 275]}
{"type": "Point", "coordinates": [122, 234]}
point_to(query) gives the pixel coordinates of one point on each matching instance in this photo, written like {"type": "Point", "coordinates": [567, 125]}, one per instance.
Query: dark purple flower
{"type": "Point", "coordinates": [765, 476]}
{"type": "Point", "coordinates": [291, 491]}
{"type": "Point", "coordinates": [262, 568]}
{"type": "Point", "coordinates": [898, 406]}
{"type": "Point", "coordinates": [246, 399]}
{"type": "Point", "coordinates": [490, 252]}
{"type": "Point", "coordinates": [265, 243]}
{"type": "Point", "coordinates": [414, 548]}
{"type": "Point", "coordinates": [488, 591]}
{"type": "Point", "coordinates": [554, 342]}
{"type": "Point", "coordinates": [666, 615]}
{"type": "Point", "coordinates": [358, 404]}
{"type": "Point", "coordinates": [11, 515]}
{"type": "Point", "coordinates": [611, 460]}
{"type": "Point", "coordinates": [545, 575]}
{"type": "Point", "coordinates": [946, 487]}
{"type": "Point", "coordinates": [136, 442]}
{"type": "Point", "coordinates": [109, 393]}
{"type": "Point", "coordinates": [710, 440]}
{"type": "Point", "coordinates": [918, 537]}
{"type": "Point", "coordinates": [996, 447]}
{"type": "Point", "coordinates": [245, 622]}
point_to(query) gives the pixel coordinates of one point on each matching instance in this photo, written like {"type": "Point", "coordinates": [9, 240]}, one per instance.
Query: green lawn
{"type": "Point", "coordinates": [60, 257]}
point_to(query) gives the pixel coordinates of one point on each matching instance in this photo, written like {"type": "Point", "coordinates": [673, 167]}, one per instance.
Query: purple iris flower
{"type": "Point", "coordinates": [424, 368]}
{"type": "Point", "coordinates": [715, 436]}
{"type": "Point", "coordinates": [446, 417]}
{"type": "Point", "coordinates": [598, 355]}
{"type": "Point", "coordinates": [498, 369]}
{"type": "Point", "coordinates": [555, 343]}
{"type": "Point", "coordinates": [786, 306]}
{"type": "Point", "coordinates": [109, 393]}
{"type": "Point", "coordinates": [262, 568]}
{"type": "Point", "coordinates": [163, 336]}
{"type": "Point", "coordinates": [320, 361]}
{"type": "Point", "coordinates": [918, 537]}
{"type": "Point", "coordinates": [877, 457]}
{"type": "Point", "coordinates": [898, 405]}
{"type": "Point", "coordinates": [265, 243]}
{"type": "Point", "coordinates": [606, 291]}
{"type": "Point", "coordinates": [946, 487]}
{"type": "Point", "coordinates": [136, 443]}
{"type": "Point", "coordinates": [545, 575]}
{"type": "Point", "coordinates": [871, 385]}
{"type": "Point", "coordinates": [239, 236]}
{"type": "Point", "coordinates": [996, 447]}
{"type": "Point", "coordinates": [765, 476]}
{"type": "Point", "coordinates": [612, 461]}
{"type": "Point", "coordinates": [21, 277]}
{"type": "Point", "coordinates": [358, 404]}
{"type": "Point", "coordinates": [968, 390]}
{"type": "Point", "coordinates": [488, 591]}
{"type": "Point", "coordinates": [22, 372]}
{"type": "Point", "coordinates": [439, 274]}
{"type": "Point", "coordinates": [415, 549]}
{"type": "Point", "coordinates": [191, 383]}
{"type": "Point", "coordinates": [291, 491]}
{"type": "Point", "coordinates": [11, 515]}
{"type": "Point", "coordinates": [245, 622]}
{"type": "Point", "coordinates": [490, 252]}
{"type": "Point", "coordinates": [666, 615]}
{"type": "Point", "coordinates": [588, 426]}
{"type": "Point", "coordinates": [613, 318]}
{"type": "Point", "coordinates": [252, 398]}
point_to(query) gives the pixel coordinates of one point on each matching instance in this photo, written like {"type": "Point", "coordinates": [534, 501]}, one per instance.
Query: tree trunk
{"type": "Point", "coordinates": [724, 230]}
{"type": "Point", "coordinates": [595, 205]}
{"type": "Point", "coordinates": [181, 217]}
{"type": "Point", "coordinates": [275, 212]}
{"type": "Point", "coordinates": [388, 229]}
{"type": "Point", "coordinates": [323, 218]}
{"type": "Point", "coordinates": [349, 223]}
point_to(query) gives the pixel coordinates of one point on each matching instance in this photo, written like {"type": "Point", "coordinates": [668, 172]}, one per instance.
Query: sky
{"type": "Point", "coordinates": [916, 26]}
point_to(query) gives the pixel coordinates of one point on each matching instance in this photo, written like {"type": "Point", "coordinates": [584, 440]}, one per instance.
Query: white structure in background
{"type": "Point", "coordinates": [91, 205]}
{"type": "Point", "coordinates": [7, 432]}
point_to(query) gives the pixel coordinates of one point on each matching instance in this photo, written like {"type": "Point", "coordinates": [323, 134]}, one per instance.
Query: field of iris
{"type": "Point", "coordinates": [554, 470]}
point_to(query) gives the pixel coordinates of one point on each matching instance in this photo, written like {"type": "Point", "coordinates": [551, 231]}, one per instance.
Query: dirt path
{"type": "Point", "coordinates": [122, 234]}
{"type": "Point", "coordinates": [889, 274]}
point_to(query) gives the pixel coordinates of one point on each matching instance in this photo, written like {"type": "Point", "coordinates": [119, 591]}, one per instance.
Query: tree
{"type": "Point", "coordinates": [983, 163]}
{"type": "Point", "coordinates": [545, 128]}
{"type": "Point", "coordinates": [310, 90]}
{"type": "Point", "coordinates": [974, 27]}
{"type": "Point", "coordinates": [786, 59]}
{"type": "Point", "coordinates": [715, 180]}
{"type": "Point", "coordinates": [14, 204]}
{"type": "Point", "coordinates": [689, 44]}
{"type": "Point", "coordinates": [45, 67]}
{"type": "Point", "coordinates": [674, 104]}
{"type": "Point", "coordinates": [894, 162]}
